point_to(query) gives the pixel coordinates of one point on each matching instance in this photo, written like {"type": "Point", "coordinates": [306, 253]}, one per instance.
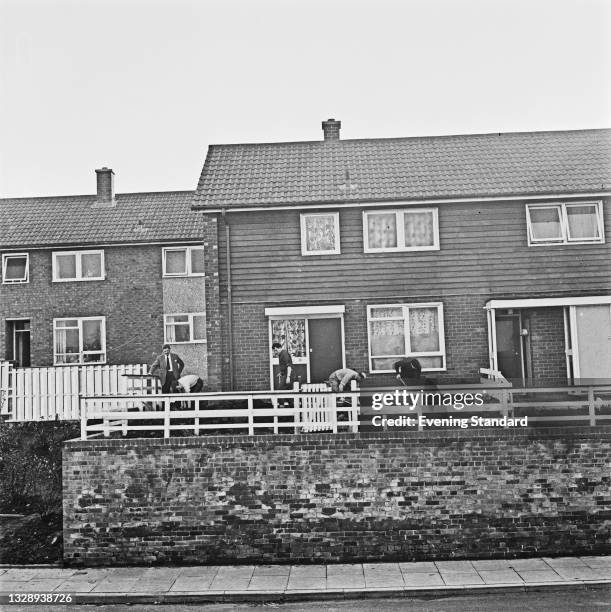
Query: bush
{"type": "Point", "coordinates": [31, 465]}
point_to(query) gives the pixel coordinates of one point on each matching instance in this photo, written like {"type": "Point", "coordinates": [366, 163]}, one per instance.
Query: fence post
{"type": "Point", "coordinates": [591, 407]}
{"type": "Point", "coordinates": [166, 418]}
{"type": "Point", "coordinates": [251, 420]}
{"type": "Point", "coordinates": [83, 419]}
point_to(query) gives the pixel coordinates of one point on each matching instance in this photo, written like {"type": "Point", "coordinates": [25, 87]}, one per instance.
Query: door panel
{"type": "Point", "coordinates": [593, 341]}
{"type": "Point", "coordinates": [325, 341]}
{"type": "Point", "coordinates": [508, 345]}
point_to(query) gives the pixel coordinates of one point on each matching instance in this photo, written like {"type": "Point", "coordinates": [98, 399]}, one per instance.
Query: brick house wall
{"type": "Point", "coordinates": [389, 496]}
{"type": "Point", "coordinates": [547, 345]}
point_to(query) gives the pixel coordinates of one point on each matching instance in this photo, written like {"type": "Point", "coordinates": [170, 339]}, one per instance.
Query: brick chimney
{"type": "Point", "coordinates": [106, 187]}
{"type": "Point", "coordinates": [331, 128]}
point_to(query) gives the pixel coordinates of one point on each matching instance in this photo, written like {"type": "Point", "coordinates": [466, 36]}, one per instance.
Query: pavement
{"type": "Point", "coordinates": [200, 584]}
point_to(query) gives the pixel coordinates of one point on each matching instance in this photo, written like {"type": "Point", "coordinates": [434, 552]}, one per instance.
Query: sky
{"type": "Point", "coordinates": [145, 86]}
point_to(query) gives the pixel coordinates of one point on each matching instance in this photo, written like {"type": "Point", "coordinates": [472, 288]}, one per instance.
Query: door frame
{"type": "Point", "coordinates": [303, 312]}
{"type": "Point", "coordinates": [14, 334]}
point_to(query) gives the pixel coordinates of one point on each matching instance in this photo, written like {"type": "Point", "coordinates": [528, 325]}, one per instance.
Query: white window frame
{"type": "Point", "coordinates": [399, 223]}
{"type": "Point", "coordinates": [11, 281]}
{"type": "Point", "coordinates": [565, 237]}
{"type": "Point", "coordinates": [78, 263]}
{"type": "Point", "coordinates": [188, 271]}
{"type": "Point", "coordinates": [405, 311]}
{"type": "Point", "coordinates": [81, 351]}
{"type": "Point", "coordinates": [190, 316]}
{"type": "Point", "coordinates": [304, 243]}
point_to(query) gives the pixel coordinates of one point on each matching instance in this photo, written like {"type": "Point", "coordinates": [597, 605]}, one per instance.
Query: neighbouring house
{"type": "Point", "coordinates": [103, 279]}
{"type": "Point", "coordinates": [467, 252]}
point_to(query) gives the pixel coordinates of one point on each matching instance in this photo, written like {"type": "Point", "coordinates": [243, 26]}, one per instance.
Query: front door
{"type": "Point", "coordinates": [325, 347]}
{"type": "Point", "coordinates": [18, 336]}
{"type": "Point", "coordinates": [509, 346]}
{"type": "Point", "coordinates": [591, 339]}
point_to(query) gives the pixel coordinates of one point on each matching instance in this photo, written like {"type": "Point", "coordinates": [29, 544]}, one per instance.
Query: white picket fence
{"type": "Point", "coordinates": [41, 394]}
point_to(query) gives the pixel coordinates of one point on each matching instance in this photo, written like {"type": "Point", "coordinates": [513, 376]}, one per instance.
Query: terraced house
{"type": "Point", "coordinates": [468, 252]}
{"type": "Point", "coordinates": [102, 279]}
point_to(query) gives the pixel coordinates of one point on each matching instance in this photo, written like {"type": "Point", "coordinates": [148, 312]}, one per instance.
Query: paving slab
{"type": "Point", "coordinates": [597, 561]}
{"type": "Point", "coordinates": [461, 578]}
{"type": "Point", "coordinates": [504, 576]}
{"type": "Point", "coordinates": [312, 571]}
{"type": "Point", "coordinates": [196, 570]}
{"type": "Point", "coordinates": [227, 583]}
{"type": "Point", "coordinates": [301, 583]}
{"type": "Point", "coordinates": [564, 562]}
{"type": "Point", "coordinates": [346, 581]}
{"type": "Point", "coordinates": [584, 573]}
{"type": "Point", "coordinates": [236, 572]}
{"type": "Point", "coordinates": [540, 576]}
{"type": "Point", "coordinates": [38, 586]}
{"type": "Point", "coordinates": [418, 566]}
{"type": "Point", "coordinates": [272, 570]}
{"type": "Point", "coordinates": [78, 586]}
{"type": "Point", "coordinates": [268, 582]}
{"type": "Point", "coordinates": [192, 583]}
{"type": "Point", "coordinates": [492, 564]}
{"type": "Point", "coordinates": [529, 564]}
{"type": "Point", "coordinates": [53, 572]}
{"type": "Point", "coordinates": [422, 579]}
{"type": "Point", "coordinates": [454, 566]}
{"type": "Point", "coordinates": [19, 575]}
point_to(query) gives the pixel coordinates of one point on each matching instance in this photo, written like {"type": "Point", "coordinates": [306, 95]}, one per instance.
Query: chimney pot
{"type": "Point", "coordinates": [331, 128]}
{"type": "Point", "coordinates": [106, 187]}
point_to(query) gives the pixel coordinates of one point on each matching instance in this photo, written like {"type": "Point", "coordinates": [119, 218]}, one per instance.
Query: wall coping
{"type": "Point", "coordinates": [529, 433]}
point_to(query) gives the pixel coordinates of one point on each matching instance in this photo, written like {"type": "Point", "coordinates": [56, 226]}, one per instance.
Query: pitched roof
{"type": "Point", "coordinates": [73, 220]}
{"type": "Point", "coordinates": [480, 165]}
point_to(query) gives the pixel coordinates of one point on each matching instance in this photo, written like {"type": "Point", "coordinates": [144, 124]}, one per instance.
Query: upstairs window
{"type": "Point", "coordinates": [406, 330]}
{"type": "Point", "coordinates": [183, 261]}
{"type": "Point", "coordinates": [79, 340]}
{"type": "Point", "coordinates": [409, 229]}
{"type": "Point", "coordinates": [15, 268]}
{"type": "Point", "coordinates": [565, 223]}
{"type": "Point", "coordinates": [78, 266]}
{"type": "Point", "coordinates": [320, 234]}
{"type": "Point", "coordinates": [183, 328]}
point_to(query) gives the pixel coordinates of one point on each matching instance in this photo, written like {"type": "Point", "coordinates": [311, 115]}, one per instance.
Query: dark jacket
{"type": "Point", "coordinates": [159, 366]}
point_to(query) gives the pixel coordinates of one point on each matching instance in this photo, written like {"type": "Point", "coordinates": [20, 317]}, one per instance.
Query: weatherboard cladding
{"type": "Point", "coordinates": [468, 166]}
{"type": "Point", "coordinates": [74, 220]}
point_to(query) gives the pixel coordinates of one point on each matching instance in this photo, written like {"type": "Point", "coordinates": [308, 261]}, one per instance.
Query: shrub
{"type": "Point", "coordinates": [31, 465]}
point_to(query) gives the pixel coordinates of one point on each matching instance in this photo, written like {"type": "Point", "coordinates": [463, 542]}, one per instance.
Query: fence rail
{"type": "Point", "coordinates": [47, 393]}
{"type": "Point", "coordinates": [270, 410]}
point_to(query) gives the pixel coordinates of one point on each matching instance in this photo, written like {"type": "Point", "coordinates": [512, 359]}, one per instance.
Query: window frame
{"type": "Point", "coordinates": [400, 225]}
{"type": "Point", "coordinates": [565, 237]}
{"type": "Point", "coordinates": [82, 352]}
{"type": "Point", "coordinates": [190, 316]}
{"type": "Point", "coordinates": [405, 312]}
{"type": "Point", "coordinates": [304, 244]}
{"type": "Point", "coordinates": [188, 261]}
{"type": "Point", "coordinates": [25, 279]}
{"type": "Point", "coordinates": [78, 266]}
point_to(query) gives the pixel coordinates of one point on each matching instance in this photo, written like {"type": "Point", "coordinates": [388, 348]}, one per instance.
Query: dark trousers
{"type": "Point", "coordinates": [169, 386]}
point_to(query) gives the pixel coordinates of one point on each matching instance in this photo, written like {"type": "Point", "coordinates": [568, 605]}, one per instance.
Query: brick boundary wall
{"type": "Point", "coordinates": [384, 496]}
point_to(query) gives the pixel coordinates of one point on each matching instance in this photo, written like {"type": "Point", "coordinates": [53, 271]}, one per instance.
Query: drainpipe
{"type": "Point", "coordinates": [229, 299]}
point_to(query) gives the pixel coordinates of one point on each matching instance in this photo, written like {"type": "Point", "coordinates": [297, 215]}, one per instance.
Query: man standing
{"type": "Point", "coordinates": [340, 379]}
{"type": "Point", "coordinates": [285, 366]}
{"type": "Point", "coordinates": [167, 367]}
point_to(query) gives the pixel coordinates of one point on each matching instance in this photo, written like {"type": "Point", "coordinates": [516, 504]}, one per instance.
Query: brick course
{"type": "Point", "coordinates": [346, 497]}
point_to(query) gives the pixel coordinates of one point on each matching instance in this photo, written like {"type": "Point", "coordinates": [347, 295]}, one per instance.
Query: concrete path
{"type": "Point", "coordinates": [294, 582]}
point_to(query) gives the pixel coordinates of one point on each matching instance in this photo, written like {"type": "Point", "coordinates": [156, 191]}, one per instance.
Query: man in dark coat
{"type": "Point", "coordinates": [168, 367]}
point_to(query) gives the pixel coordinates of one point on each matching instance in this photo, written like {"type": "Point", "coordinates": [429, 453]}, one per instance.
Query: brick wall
{"type": "Point", "coordinates": [466, 339]}
{"type": "Point", "coordinates": [547, 345]}
{"type": "Point", "coordinates": [130, 298]}
{"type": "Point", "coordinates": [346, 497]}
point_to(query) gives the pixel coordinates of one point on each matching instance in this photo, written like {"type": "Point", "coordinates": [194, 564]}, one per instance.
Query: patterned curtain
{"type": "Point", "coordinates": [291, 334]}
{"type": "Point", "coordinates": [418, 229]}
{"type": "Point", "coordinates": [423, 330]}
{"type": "Point", "coordinates": [382, 230]}
{"type": "Point", "coordinates": [387, 337]}
{"type": "Point", "coordinates": [320, 233]}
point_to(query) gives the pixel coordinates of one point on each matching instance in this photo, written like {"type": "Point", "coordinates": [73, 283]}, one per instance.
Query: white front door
{"type": "Point", "coordinates": [591, 340]}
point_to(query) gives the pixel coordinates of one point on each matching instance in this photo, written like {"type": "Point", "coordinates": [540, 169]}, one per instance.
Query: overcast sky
{"type": "Point", "coordinates": [144, 86]}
